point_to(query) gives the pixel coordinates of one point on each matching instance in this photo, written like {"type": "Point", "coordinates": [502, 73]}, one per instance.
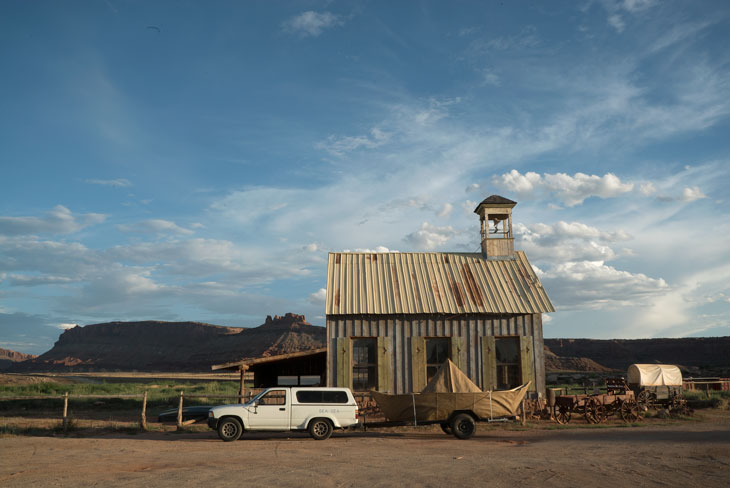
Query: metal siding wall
{"type": "Point", "coordinates": [400, 328]}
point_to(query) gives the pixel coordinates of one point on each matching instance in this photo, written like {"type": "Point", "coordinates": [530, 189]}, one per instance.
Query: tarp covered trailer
{"type": "Point", "coordinates": [452, 400]}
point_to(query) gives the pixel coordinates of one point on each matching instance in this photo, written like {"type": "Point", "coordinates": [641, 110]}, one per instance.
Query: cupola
{"type": "Point", "coordinates": [495, 215]}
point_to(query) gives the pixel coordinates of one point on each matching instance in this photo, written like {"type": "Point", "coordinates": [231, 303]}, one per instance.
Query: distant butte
{"type": "Point", "coordinates": [172, 346]}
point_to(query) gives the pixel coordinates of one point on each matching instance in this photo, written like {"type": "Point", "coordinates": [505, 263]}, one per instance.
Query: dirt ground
{"type": "Point", "coordinates": [672, 453]}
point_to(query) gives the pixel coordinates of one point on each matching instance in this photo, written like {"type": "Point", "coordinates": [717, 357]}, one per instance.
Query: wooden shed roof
{"type": "Point", "coordinates": [432, 283]}
{"type": "Point", "coordinates": [246, 363]}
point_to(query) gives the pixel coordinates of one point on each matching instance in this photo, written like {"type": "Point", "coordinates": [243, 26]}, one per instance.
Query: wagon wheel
{"type": "Point", "coordinates": [561, 414]}
{"type": "Point", "coordinates": [678, 405]}
{"type": "Point", "coordinates": [644, 399]}
{"type": "Point", "coordinates": [595, 412]}
{"type": "Point", "coordinates": [629, 411]}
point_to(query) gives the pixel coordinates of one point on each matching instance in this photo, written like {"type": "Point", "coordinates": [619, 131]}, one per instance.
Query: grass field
{"type": "Point", "coordinates": [163, 393]}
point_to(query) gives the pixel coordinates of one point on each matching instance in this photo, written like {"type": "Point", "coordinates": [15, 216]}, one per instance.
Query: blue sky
{"type": "Point", "coordinates": [198, 160]}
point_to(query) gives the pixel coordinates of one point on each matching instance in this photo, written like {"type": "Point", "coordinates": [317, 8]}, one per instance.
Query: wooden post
{"type": "Point", "coordinates": [143, 423]}
{"type": "Point", "coordinates": [179, 412]}
{"type": "Point", "coordinates": [65, 411]}
{"type": "Point", "coordinates": [242, 387]}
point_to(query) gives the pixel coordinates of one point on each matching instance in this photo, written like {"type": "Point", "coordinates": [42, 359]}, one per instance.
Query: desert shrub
{"type": "Point", "coordinates": [720, 402]}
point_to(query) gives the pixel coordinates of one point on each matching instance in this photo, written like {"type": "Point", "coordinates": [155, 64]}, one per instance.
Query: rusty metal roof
{"type": "Point", "coordinates": [432, 283]}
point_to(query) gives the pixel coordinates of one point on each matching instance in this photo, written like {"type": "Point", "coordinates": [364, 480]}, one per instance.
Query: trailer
{"type": "Point", "coordinates": [451, 400]}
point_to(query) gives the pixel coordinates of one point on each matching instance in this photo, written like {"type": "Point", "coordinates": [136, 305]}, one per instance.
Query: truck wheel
{"type": "Point", "coordinates": [446, 427]}
{"type": "Point", "coordinates": [463, 426]}
{"type": "Point", "coordinates": [320, 429]}
{"type": "Point", "coordinates": [229, 429]}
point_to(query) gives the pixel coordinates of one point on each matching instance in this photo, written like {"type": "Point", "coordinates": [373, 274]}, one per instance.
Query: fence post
{"type": "Point", "coordinates": [143, 424]}
{"type": "Point", "coordinates": [65, 411]}
{"type": "Point", "coordinates": [179, 412]}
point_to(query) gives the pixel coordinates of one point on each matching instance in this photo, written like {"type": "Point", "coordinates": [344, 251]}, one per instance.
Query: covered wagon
{"type": "Point", "coordinates": [657, 385]}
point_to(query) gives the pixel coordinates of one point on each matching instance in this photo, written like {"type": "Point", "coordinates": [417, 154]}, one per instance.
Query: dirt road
{"type": "Point", "coordinates": [685, 453]}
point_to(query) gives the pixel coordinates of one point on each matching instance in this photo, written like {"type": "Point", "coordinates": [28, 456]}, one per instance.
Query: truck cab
{"type": "Point", "coordinates": [279, 409]}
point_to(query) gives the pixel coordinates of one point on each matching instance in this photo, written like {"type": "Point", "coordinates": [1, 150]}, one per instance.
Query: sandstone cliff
{"type": "Point", "coordinates": [709, 355]}
{"type": "Point", "coordinates": [9, 358]}
{"type": "Point", "coordinates": [172, 346]}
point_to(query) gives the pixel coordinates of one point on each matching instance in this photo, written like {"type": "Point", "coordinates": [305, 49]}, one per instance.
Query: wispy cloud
{"type": "Point", "coordinates": [311, 23]}
{"type": "Point", "coordinates": [617, 9]}
{"type": "Point", "coordinates": [119, 182]}
{"type": "Point", "coordinates": [341, 145]}
{"type": "Point", "coordinates": [59, 220]}
{"type": "Point", "coordinates": [155, 226]}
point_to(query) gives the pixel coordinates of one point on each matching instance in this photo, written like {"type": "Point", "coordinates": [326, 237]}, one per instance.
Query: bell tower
{"type": "Point", "coordinates": [495, 215]}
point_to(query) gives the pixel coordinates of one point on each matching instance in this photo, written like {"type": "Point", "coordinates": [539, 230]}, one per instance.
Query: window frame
{"type": "Point", "coordinates": [372, 382]}
{"type": "Point", "coordinates": [436, 366]}
{"type": "Point", "coordinates": [500, 385]}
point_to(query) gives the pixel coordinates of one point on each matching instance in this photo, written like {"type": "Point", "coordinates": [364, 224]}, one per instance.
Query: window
{"type": "Point", "coordinates": [305, 380]}
{"type": "Point", "coordinates": [438, 350]}
{"type": "Point", "coordinates": [364, 364]}
{"type": "Point", "coordinates": [321, 396]}
{"type": "Point", "coordinates": [508, 362]}
{"type": "Point", "coordinates": [310, 380]}
{"type": "Point", "coordinates": [274, 397]}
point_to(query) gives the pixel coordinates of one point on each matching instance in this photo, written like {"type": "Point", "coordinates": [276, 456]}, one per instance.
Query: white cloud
{"type": "Point", "coordinates": [65, 326]}
{"type": "Point", "coordinates": [376, 249]}
{"type": "Point", "coordinates": [155, 226]}
{"type": "Point", "coordinates": [311, 247]}
{"type": "Point", "coordinates": [647, 188]}
{"type": "Point", "coordinates": [37, 280]}
{"type": "Point", "coordinates": [445, 210]}
{"type": "Point", "coordinates": [677, 312]}
{"type": "Point", "coordinates": [616, 22]}
{"type": "Point", "coordinates": [630, 7]}
{"type": "Point", "coordinates": [563, 242]}
{"type": "Point", "coordinates": [594, 285]}
{"type": "Point", "coordinates": [522, 184]}
{"type": "Point", "coordinates": [59, 220]}
{"type": "Point", "coordinates": [691, 194]}
{"type": "Point", "coordinates": [571, 190]}
{"type": "Point", "coordinates": [472, 187]}
{"type": "Point", "coordinates": [550, 234]}
{"type": "Point", "coordinates": [311, 23]}
{"type": "Point", "coordinates": [430, 237]}
{"type": "Point", "coordinates": [318, 297]}
{"type": "Point", "coordinates": [634, 6]}
{"type": "Point", "coordinates": [119, 182]}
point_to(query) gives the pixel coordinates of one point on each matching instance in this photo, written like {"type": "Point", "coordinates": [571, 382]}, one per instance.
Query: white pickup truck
{"type": "Point", "coordinates": [280, 409]}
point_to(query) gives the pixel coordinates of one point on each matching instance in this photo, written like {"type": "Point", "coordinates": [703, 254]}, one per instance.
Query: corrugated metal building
{"type": "Point", "coordinates": [392, 318]}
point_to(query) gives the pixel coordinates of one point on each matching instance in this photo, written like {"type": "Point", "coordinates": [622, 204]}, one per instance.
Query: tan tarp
{"type": "Point", "coordinates": [449, 390]}
{"type": "Point", "coordinates": [438, 406]}
{"type": "Point", "coordinates": [450, 379]}
{"type": "Point", "coordinates": [654, 375]}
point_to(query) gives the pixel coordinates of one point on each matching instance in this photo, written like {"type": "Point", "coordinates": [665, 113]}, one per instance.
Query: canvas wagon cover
{"type": "Point", "coordinates": [654, 375]}
{"type": "Point", "coordinates": [449, 390]}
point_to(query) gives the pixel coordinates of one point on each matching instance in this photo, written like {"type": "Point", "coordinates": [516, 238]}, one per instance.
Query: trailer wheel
{"type": "Point", "coordinates": [229, 429]}
{"type": "Point", "coordinates": [446, 428]}
{"type": "Point", "coordinates": [463, 426]}
{"type": "Point", "coordinates": [320, 429]}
